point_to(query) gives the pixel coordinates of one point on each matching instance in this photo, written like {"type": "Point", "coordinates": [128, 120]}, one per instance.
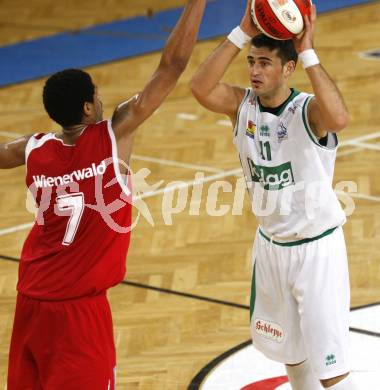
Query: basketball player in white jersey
{"type": "Point", "coordinates": [287, 143]}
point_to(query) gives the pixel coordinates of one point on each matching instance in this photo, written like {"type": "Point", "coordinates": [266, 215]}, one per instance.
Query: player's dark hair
{"type": "Point", "coordinates": [64, 96]}
{"type": "Point", "coordinates": [285, 49]}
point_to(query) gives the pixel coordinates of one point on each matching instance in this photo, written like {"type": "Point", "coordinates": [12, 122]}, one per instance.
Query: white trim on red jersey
{"type": "Point", "coordinates": [123, 184]}
{"type": "Point", "coordinates": [34, 143]}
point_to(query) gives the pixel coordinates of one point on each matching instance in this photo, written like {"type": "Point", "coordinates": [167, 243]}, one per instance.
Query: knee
{"type": "Point", "coordinates": [326, 383]}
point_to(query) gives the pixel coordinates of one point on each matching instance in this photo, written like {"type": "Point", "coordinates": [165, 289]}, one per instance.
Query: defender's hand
{"type": "Point", "coordinates": [305, 40]}
{"type": "Point", "coordinates": [247, 24]}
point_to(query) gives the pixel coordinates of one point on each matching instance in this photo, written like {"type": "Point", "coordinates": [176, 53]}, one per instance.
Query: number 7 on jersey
{"type": "Point", "coordinates": [74, 203]}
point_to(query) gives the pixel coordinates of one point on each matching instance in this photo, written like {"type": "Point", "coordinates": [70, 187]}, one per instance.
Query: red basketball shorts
{"type": "Point", "coordinates": [62, 345]}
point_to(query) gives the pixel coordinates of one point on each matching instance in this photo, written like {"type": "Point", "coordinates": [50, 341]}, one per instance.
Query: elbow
{"type": "Point", "coordinates": [196, 87]}
{"type": "Point", "coordinates": [339, 123]}
{"type": "Point", "coordinates": [193, 86]}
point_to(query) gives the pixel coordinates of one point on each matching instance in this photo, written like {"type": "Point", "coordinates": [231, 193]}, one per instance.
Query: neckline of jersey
{"type": "Point", "coordinates": [280, 109]}
{"type": "Point", "coordinates": [76, 141]}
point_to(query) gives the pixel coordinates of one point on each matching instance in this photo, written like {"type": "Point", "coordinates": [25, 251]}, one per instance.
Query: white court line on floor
{"type": "Point", "coordinates": [176, 163]}
{"type": "Point", "coordinates": [162, 161]}
{"type": "Point", "coordinates": [187, 117]}
{"type": "Point", "coordinates": [351, 142]}
{"type": "Point", "coordinates": [358, 195]}
{"type": "Point", "coordinates": [364, 145]}
{"type": "Point", "coordinates": [365, 137]}
{"type": "Point", "coordinates": [10, 134]}
{"type": "Point", "coordinates": [16, 228]}
{"type": "Point", "coordinates": [349, 152]}
{"type": "Point", "coordinates": [224, 122]}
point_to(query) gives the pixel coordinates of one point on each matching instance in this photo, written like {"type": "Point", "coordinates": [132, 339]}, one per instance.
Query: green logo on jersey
{"type": "Point", "coordinates": [272, 178]}
{"type": "Point", "coordinates": [264, 131]}
{"type": "Point", "coordinates": [330, 359]}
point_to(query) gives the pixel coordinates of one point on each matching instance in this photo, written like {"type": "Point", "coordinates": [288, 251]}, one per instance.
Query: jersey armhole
{"type": "Point", "coordinates": [115, 161]}
{"type": "Point", "coordinates": [33, 143]}
{"type": "Point", "coordinates": [236, 128]}
{"type": "Point", "coordinates": [332, 139]}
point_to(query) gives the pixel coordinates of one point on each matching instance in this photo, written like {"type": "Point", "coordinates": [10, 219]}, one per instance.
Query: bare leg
{"type": "Point", "coordinates": [342, 382]}
{"type": "Point", "coordinates": [301, 376]}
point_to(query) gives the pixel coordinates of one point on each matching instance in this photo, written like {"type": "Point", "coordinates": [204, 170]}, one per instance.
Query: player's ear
{"type": "Point", "coordinates": [289, 68]}
{"type": "Point", "coordinates": [87, 108]}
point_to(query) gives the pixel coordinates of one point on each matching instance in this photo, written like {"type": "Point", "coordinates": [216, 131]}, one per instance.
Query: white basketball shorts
{"type": "Point", "coordinates": [300, 301]}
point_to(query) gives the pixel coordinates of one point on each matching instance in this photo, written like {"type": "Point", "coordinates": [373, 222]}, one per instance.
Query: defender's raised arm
{"type": "Point", "coordinates": [129, 115]}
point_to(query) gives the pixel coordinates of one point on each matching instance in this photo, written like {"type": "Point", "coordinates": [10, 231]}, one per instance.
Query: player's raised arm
{"type": "Point", "coordinates": [176, 54]}
{"type": "Point", "coordinates": [12, 154]}
{"type": "Point", "coordinates": [327, 112]}
{"type": "Point", "coordinates": [206, 83]}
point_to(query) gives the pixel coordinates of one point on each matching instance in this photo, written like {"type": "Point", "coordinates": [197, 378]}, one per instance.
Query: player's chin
{"type": "Point", "coordinates": [258, 88]}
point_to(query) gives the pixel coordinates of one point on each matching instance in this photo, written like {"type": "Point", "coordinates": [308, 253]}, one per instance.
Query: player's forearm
{"type": "Point", "coordinates": [181, 41]}
{"type": "Point", "coordinates": [211, 72]}
{"type": "Point", "coordinates": [329, 98]}
{"type": "Point", "coordinates": [12, 154]}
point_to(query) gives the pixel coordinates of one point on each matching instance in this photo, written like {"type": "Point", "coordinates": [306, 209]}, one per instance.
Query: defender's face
{"type": "Point", "coordinates": [266, 71]}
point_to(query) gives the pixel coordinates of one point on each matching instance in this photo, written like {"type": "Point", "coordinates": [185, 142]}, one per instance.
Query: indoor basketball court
{"type": "Point", "coordinates": [181, 317]}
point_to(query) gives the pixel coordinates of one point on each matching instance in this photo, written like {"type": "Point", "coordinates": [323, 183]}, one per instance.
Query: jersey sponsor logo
{"type": "Point", "coordinates": [264, 131]}
{"type": "Point", "coordinates": [75, 176]}
{"type": "Point", "coordinates": [282, 133]}
{"type": "Point", "coordinates": [272, 178]}
{"type": "Point", "coordinates": [330, 360]}
{"type": "Point", "coordinates": [293, 108]}
{"type": "Point", "coordinates": [269, 330]}
{"type": "Point", "coordinates": [251, 129]}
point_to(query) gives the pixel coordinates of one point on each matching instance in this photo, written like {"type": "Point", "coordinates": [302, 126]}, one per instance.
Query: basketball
{"type": "Point", "coordinates": [280, 21]}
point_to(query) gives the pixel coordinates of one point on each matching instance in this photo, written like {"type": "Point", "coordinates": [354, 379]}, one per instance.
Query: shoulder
{"type": "Point", "coordinates": [247, 96]}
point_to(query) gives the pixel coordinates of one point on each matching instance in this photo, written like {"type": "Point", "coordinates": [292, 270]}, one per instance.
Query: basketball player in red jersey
{"type": "Point", "coordinates": [62, 335]}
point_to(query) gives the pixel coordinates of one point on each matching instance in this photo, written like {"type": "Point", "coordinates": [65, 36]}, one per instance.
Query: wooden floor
{"type": "Point", "coordinates": [163, 339]}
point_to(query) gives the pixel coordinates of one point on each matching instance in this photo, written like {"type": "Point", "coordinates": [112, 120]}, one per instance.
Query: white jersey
{"type": "Point", "coordinates": [289, 173]}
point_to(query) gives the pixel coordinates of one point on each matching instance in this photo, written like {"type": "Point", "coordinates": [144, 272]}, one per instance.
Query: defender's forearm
{"type": "Point", "coordinates": [181, 41]}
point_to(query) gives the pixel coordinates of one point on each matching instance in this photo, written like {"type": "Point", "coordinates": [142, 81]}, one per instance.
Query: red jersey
{"type": "Point", "coordinates": [79, 242]}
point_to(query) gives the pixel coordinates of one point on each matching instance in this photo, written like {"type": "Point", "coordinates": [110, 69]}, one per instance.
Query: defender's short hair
{"type": "Point", "coordinates": [65, 93]}
{"type": "Point", "coordinates": [285, 49]}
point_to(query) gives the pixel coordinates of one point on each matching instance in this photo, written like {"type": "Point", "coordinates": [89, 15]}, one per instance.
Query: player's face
{"type": "Point", "coordinates": [266, 71]}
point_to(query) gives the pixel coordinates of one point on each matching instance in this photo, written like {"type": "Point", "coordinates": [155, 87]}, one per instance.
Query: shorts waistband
{"type": "Point", "coordinates": [298, 242]}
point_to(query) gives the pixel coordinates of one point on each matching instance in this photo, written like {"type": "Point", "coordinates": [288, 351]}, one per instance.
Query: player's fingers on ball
{"type": "Point", "coordinates": [306, 22]}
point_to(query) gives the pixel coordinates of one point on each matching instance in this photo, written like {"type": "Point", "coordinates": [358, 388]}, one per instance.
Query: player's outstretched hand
{"type": "Point", "coordinates": [305, 40]}
{"type": "Point", "coordinates": [246, 23]}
